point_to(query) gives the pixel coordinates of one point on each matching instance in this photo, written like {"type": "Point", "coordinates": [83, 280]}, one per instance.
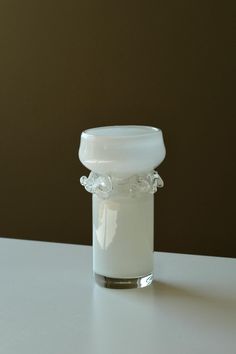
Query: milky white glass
{"type": "Point", "coordinates": [123, 182]}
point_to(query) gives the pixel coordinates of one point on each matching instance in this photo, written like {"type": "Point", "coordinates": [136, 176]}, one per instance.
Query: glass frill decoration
{"type": "Point", "coordinates": [105, 186]}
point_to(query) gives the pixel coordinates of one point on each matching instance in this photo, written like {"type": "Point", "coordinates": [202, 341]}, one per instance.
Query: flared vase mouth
{"type": "Point", "coordinates": [122, 150]}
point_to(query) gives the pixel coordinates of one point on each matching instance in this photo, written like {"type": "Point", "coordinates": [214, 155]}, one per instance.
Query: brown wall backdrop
{"type": "Point", "coordinates": [69, 65]}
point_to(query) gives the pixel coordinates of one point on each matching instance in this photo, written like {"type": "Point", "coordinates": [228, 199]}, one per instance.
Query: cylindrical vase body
{"type": "Point", "coordinates": [123, 236]}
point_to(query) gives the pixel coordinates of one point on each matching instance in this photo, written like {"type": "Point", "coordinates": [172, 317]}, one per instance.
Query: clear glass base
{"type": "Point", "coordinates": [123, 283]}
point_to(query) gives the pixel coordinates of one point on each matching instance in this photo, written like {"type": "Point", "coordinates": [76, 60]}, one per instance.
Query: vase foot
{"type": "Point", "coordinates": [123, 283]}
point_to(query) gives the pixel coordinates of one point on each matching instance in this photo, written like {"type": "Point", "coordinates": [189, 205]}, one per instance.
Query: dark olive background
{"type": "Point", "coordinates": [69, 65]}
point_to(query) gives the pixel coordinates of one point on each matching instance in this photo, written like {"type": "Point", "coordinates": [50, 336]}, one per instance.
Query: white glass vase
{"type": "Point", "coordinates": [123, 182]}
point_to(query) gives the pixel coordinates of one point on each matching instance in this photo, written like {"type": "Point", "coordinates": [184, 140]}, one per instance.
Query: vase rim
{"type": "Point", "coordinates": [120, 132]}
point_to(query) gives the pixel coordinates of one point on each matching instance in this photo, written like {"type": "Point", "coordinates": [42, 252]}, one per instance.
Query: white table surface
{"type": "Point", "coordinates": [49, 304]}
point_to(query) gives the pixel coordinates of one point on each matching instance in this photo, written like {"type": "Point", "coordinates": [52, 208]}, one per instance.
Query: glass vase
{"type": "Point", "coordinates": [122, 182]}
